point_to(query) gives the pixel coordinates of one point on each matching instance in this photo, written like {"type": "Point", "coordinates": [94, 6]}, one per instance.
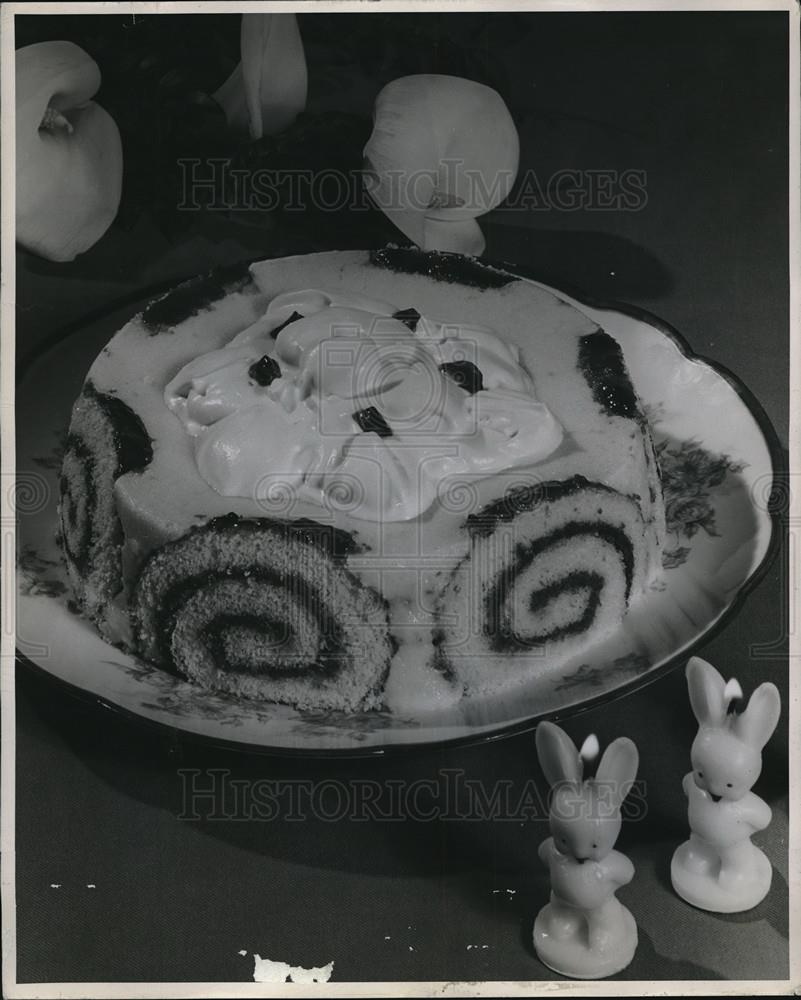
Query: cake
{"type": "Point", "coordinates": [326, 479]}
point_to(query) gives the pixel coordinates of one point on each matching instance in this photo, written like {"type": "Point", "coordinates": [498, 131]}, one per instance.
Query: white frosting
{"type": "Point", "coordinates": [297, 437]}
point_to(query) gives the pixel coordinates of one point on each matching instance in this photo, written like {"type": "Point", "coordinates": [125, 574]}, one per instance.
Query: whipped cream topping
{"type": "Point", "coordinates": [355, 406]}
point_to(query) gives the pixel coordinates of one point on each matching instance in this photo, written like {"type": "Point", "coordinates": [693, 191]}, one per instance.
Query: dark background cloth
{"type": "Point", "coordinates": [117, 877]}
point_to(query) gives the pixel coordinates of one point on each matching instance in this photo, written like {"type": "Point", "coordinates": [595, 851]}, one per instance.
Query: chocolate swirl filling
{"type": "Point", "coordinates": [264, 610]}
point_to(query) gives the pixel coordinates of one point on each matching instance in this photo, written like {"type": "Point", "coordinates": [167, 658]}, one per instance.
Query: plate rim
{"type": "Point", "coordinates": [778, 455]}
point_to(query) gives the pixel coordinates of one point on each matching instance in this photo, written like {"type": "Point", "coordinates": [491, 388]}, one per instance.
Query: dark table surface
{"type": "Point", "coordinates": [116, 882]}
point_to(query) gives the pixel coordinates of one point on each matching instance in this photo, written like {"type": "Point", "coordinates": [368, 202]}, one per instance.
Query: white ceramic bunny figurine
{"type": "Point", "coordinates": [585, 932]}
{"type": "Point", "coordinates": [718, 868]}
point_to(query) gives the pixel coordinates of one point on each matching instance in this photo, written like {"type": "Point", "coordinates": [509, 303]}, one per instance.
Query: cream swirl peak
{"type": "Point", "coordinates": [356, 405]}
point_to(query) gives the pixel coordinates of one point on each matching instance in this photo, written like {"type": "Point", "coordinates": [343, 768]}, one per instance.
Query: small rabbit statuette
{"type": "Point", "coordinates": [718, 868]}
{"type": "Point", "coordinates": [585, 932]}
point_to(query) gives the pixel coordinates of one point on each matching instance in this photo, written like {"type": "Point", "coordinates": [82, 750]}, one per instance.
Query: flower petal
{"type": "Point", "coordinates": [458, 236]}
{"type": "Point", "coordinates": [69, 172]}
{"type": "Point", "coordinates": [267, 90]}
{"type": "Point", "coordinates": [443, 150]}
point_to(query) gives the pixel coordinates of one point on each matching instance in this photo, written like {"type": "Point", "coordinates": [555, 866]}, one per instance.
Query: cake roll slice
{"type": "Point", "coordinates": [550, 568]}
{"type": "Point", "coordinates": [265, 610]}
{"type": "Point", "coordinates": [106, 440]}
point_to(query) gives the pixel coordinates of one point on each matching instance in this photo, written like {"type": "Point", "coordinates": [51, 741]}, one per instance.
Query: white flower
{"type": "Point", "coordinates": [267, 90]}
{"type": "Point", "coordinates": [443, 151]}
{"type": "Point", "coordinates": [69, 154]}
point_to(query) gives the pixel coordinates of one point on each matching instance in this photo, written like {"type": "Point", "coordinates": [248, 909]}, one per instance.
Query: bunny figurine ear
{"type": "Point", "coordinates": [706, 687]}
{"type": "Point", "coordinates": [558, 756]}
{"type": "Point", "coordinates": [756, 724]}
{"type": "Point", "coordinates": [618, 768]}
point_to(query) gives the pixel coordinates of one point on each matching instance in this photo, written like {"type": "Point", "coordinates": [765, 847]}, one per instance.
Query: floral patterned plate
{"type": "Point", "coordinates": [718, 455]}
